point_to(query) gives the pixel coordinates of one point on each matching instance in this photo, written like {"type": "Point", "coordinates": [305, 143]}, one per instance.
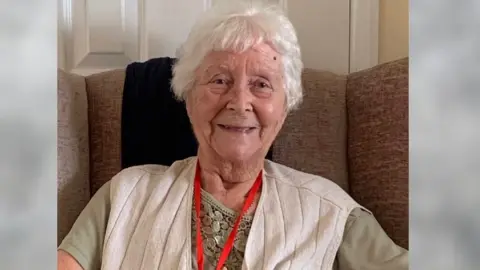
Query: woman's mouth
{"type": "Point", "coordinates": [237, 129]}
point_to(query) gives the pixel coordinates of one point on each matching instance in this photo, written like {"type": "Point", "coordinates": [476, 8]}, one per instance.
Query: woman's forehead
{"type": "Point", "coordinates": [255, 58]}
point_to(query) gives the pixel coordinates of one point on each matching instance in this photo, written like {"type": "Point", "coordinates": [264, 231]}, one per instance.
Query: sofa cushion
{"type": "Point", "coordinates": [377, 102]}
{"type": "Point", "coordinates": [73, 190]}
{"type": "Point", "coordinates": [313, 138]}
{"type": "Point", "coordinates": [104, 91]}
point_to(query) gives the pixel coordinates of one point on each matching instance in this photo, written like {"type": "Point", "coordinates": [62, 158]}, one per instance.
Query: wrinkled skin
{"type": "Point", "coordinates": [236, 108]}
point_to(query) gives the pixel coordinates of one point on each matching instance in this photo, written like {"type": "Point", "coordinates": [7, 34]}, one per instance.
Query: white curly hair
{"type": "Point", "coordinates": [237, 26]}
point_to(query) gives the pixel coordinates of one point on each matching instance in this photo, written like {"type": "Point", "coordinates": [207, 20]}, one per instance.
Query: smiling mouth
{"type": "Point", "coordinates": [237, 128]}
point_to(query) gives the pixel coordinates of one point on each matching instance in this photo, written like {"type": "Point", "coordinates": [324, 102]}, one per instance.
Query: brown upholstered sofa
{"type": "Point", "coordinates": [351, 129]}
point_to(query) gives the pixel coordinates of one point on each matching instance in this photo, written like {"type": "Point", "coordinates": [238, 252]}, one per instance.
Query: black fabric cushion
{"type": "Point", "coordinates": [155, 126]}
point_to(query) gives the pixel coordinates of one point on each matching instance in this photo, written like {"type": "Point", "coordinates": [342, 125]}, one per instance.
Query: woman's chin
{"type": "Point", "coordinates": [236, 154]}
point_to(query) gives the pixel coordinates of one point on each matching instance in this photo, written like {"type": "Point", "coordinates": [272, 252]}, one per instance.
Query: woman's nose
{"type": "Point", "coordinates": [240, 98]}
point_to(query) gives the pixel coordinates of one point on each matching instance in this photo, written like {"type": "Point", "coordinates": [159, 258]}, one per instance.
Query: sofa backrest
{"type": "Point", "coordinates": [377, 108]}
{"type": "Point", "coordinates": [104, 92]}
{"type": "Point", "coordinates": [313, 138]}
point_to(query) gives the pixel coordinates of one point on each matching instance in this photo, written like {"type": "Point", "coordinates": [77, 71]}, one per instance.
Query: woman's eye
{"type": "Point", "coordinates": [219, 81]}
{"type": "Point", "coordinates": [262, 85]}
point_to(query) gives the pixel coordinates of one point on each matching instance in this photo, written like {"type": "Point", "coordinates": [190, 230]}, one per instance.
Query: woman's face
{"type": "Point", "coordinates": [237, 106]}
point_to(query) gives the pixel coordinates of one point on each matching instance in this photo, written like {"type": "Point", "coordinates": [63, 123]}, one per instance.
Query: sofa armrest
{"type": "Point", "coordinates": [72, 151]}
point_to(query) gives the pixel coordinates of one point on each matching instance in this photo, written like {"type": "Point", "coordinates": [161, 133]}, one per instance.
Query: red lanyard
{"type": "Point", "coordinates": [229, 243]}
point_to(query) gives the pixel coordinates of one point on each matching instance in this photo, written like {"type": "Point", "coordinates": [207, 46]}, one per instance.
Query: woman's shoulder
{"type": "Point", "coordinates": [140, 171]}
{"type": "Point", "coordinates": [315, 185]}
{"type": "Point", "coordinates": [297, 178]}
{"type": "Point", "coordinates": [146, 176]}
{"type": "Point", "coordinates": [132, 175]}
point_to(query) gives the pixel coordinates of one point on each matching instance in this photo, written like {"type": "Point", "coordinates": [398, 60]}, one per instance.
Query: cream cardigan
{"type": "Point", "coordinates": [298, 223]}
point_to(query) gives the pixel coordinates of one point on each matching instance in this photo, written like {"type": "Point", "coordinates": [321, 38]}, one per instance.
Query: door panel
{"type": "Point", "coordinates": [102, 35]}
{"type": "Point", "coordinates": [168, 24]}
{"type": "Point", "coordinates": [323, 32]}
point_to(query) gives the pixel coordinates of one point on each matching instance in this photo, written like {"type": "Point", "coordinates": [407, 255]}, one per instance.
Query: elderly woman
{"type": "Point", "coordinates": [239, 73]}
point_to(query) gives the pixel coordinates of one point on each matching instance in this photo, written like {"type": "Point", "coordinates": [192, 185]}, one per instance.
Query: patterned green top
{"type": "Point", "coordinates": [217, 223]}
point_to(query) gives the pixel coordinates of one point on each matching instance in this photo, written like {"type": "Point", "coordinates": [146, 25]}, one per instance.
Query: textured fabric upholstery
{"type": "Point", "coordinates": [73, 191]}
{"type": "Point", "coordinates": [377, 101]}
{"type": "Point", "coordinates": [104, 92]}
{"type": "Point", "coordinates": [313, 138]}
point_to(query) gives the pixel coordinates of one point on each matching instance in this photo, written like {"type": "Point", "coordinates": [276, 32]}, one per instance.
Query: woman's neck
{"type": "Point", "coordinates": [229, 182]}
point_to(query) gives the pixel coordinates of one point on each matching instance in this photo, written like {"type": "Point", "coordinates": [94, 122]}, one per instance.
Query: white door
{"type": "Point", "coordinates": [100, 35]}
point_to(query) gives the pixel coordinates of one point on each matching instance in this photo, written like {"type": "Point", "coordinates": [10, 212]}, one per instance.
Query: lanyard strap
{"type": "Point", "coordinates": [229, 243]}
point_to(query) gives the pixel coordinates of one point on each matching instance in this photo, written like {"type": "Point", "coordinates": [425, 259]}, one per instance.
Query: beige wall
{"type": "Point", "coordinates": [393, 32]}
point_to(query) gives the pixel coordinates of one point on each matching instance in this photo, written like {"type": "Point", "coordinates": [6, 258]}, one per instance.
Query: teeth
{"type": "Point", "coordinates": [237, 128]}
{"type": "Point", "coordinates": [242, 129]}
